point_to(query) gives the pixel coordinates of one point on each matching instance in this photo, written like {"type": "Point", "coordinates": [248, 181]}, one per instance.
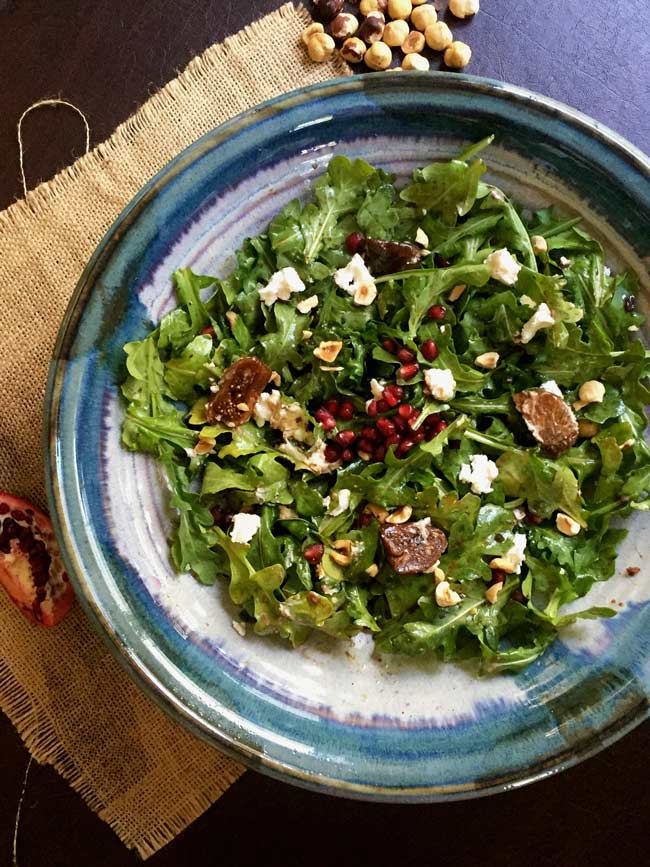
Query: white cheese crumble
{"type": "Point", "coordinates": [541, 318]}
{"type": "Point", "coordinates": [307, 304]}
{"type": "Point", "coordinates": [516, 554]}
{"type": "Point", "coordinates": [314, 459]}
{"type": "Point", "coordinates": [440, 382]}
{"type": "Point", "coordinates": [239, 627]}
{"type": "Point", "coordinates": [376, 389]}
{"type": "Point", "coordinates": [282, 285]}
{"type": "Point", "coordinates": [527, 301]}
{"type": "Point", "coordinates": [343, 502]}
{"type": "Point", "coordinates": [479, 473]}
{"type": "Point", "coordinates": [289, 418]}
{"type": "Point", "coordinates": [503, 267]}
{"type": "Point", "coordinates": [422, 238]}
{"type": "Point", "coordinates": [552, 387]}
{"type": "Point", "coordinates": [357, 281]}
{"type": "Point", "coordinates": [244, 527]}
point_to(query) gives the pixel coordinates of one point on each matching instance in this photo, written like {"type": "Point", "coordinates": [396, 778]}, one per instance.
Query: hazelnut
{"type": "Point", "coordinates": [372, 29]}
{"type": "Point", "coordinates": [327, 350]}
{"type": "Point", "coordinates": [492, 592]}
{"type": "Point", "coordinates": [400, 516]}
{"type": "Point", "coordinates": [538, 243]}
{"type": "Point", "coordinates": [395, 32]}
{"type": "Point", "coordinates": [344, 25]}
{"type": "Point", "coordinates": [591, 391]}
{"type": "Point", "coordinates": [399, 8]}
{"type": "Point", "coordinates": [378, 511]}
{"type": "Point", "coordinates": [372, 570]}
{"type": "Point", "coordinates": [328, 9]}
{"type": "Point", "coordinates": [502, 563]}
{"type": "Point", "coordinates": [464, 8]}
{"type": "Point", "coordinates": [368, 6]}
{"type": "Point", "coordinates": [310, 31]}
{"type": "Point", "coordinates": [457, 291]}
{"type": "Point", "coordinates": [488, 360]}
{"type": "Point", "coordinates": [423, 16]}
{"type": "Point", "coordinates": [353, 50]}
{"type": "Point", "coordinates": [414, 43]}
{"type": "Point", "coordinates": [438, 36]}
{"type": "Point", "coordinates": [458, 55]}
{"type": "Point", "coordinates": [438, 575]}
{"type": "Point", "coordinates": [566, 525]}
{"type": "Point", "coordinates": [320, 47]}
{"type": "Point", "coordinates": [445, 596]}
{"type": "Point", "coordinates": [415, 61]}
{"type": "Point", "coordinates": [418, 2]}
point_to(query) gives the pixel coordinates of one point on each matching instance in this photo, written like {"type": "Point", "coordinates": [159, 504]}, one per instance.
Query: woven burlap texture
{"type": "Point", "coordinates": [71, 702]}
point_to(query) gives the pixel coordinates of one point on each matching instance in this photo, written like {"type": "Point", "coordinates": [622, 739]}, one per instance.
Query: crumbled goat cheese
{"type": "Point", "coordinates": [440, 382]}
{"type": "Point", "coordinates": [422, 238]}
{"type": "Point", "coordinates": [527, 301]}
{"type": "Point", "coordinates": [343, 502]}
{"type": "Point", "coordinates": [289, 418]}
{"type": "Point", "coordinates": [239, 627]}
{"type": "Point", "coordinates": [503, 267]}
{"type": "Point", "coordinates": [282, 285]}
{"type": "Point", "coordinates": [479, 473]}
{"type": "Point", "coordinates": [307, 304]}
{"type": "Point", "coordinates": [552, 387]}
{"type": "Point", "coordinates": [244, 527]}
{"type": "Point", "coordinates": [541, 318]}
{"type": "Point", "coordinates": [314, 459]}
{"type": "Point", "coordinates": [512, 560]}
{"type": "Point", "coordinates": [357, 280]}
{"type": "Point", "coordinates": [377, 389]}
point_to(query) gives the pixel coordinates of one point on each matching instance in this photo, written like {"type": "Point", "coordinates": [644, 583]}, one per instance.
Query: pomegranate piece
{"type": "Point", "coordinates": [354, 242]}
{"type": "Point", "coordinates": [413, 547]}
{"type": "Point", "coordinates": [372, 409]}
{"type": "Point", "coordinates": [346, 411]}
{"type": "Point", "coordinates": [550, 420]}
{"type": "Point", "coordinates": [406, 355]}
{"type": "Point", "coordinates": [346, 437]}
{"type": "Point", "coordinates": [390, 345]}
{"type": "Point", "coordinates": [408, 371]}
{"type": "Point", "coordinates": [31, 569]}
{"type": "Point", "coordinates": [332, 406]}
{"type": "Point", "coordinates": [437, 312]}
{"type": "Point", "coordinates": [429, 349]}
{"type": "Point", "coordinates": [393, 394]}
{"type": "Point", "coordinates": [314, 553]}
{"type": "Point", "coordinates": [440, 262]}
{"type": "Point", "coordinates": [386, 257]}
{"type": "Point", "coordinates": [325, 418]}
{"type": "Point", "coordinates": [239, 390]}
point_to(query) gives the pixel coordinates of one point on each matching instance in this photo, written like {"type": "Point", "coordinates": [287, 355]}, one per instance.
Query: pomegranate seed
{"type": "Point", "coordinates": [436, 311]}
{"type": "Point", "coordinates": [221, 517]}
{"type": "Point", "coordinates": [413, 420]}
{"type": "Point", "coordinates": [208, 330]}
{"type": "Point", "coordinates": [354, 242]}
{"type": "Point", "coordinates": [372, 408]}
{"type": "Point", "coordinates": [399, 423]}
{"type": "Point", "coordinates": [369, 433]}
{"type": "Point", "coordinates": [314, 553]}
{"type": "Point", "coordinates": [382, 406]}
{"type": "Point", "coordinates": [531, 518]}
{"type": "Point", "coordinates": [325, 418]}
{"type": "Point", "coordinates": [390, 345]}
{"type": "Point", "coordinates": [405, 446]}
{"type": "Point", "coordinates": [379, 453]}
{"type": "Point", "coordinates": [406, 355]}
{"type": "Point", "coordinates": [454, 444]}
{"type": "Point", "coordinates": [440, 425]}
{"type": "Point", "coordinates": [366, 446]}
{"type": "Point", "coordinates": [405, 410]}
{"type": "Point", "coordinates": [429, 350]}
{"type": "Point", "coordinates": [417, 436]}
{"type": "Point", "coordinates": [393, 394]}
{"type": "Point", "coordinates": [518, 596]}
{"type": "Point", "coordinates": [498, 575]}
{"type": "Point", "coordinates": [392, 440]}
{"type": "Point", "coordinates": [332, 453]}
{"type": "Point", "coordinates": [346, 437]}
{"type": "Point", "coordinates": [430, 434]}
{"type": "Point", "coordinates": [385, 427]}
{"type": "Point", "coordinates": [440, 262]}
{"type": "Point", "coordinates": [364, 519]}
{"type": "Point", "coordinates": [332, 406]}
{"type": "Point", "coordinates": [408, 371]}
{"type": "Point", "coordinates": [431, 420]}
{"type": "Point", "coordinates": [347, 455]}
{"type": "Point", "coordinates": [346, 410]}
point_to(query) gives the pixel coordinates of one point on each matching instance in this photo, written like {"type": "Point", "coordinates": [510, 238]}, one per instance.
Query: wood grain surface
{"type": "Point", "coordinates": [108, 56]}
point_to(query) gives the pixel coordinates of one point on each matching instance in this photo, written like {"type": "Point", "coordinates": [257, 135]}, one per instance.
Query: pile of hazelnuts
{"type": "Point", "coordinates": [408, 25]}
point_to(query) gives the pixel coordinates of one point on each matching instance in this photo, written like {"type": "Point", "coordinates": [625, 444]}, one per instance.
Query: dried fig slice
{"type": "Point", "coordinates": [239, 390]}
{"type": "Point", "coordinates": [413, 547]}
{"type": "Point", "coordinates": [549, 418]}
{"type": "Point", "coordinates": [386, 257]}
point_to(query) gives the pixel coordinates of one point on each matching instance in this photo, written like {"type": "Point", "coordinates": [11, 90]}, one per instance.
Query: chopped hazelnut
{"type": "Point", "coordinates": [400, 516]}
{"type": "Point", "coordinates": [416, 61]}
{"type": "Point", "coordinates": [438, 36]}
{"type": "Point", "coordinates": [504, 564]}
{"type": "Point", "coordinates": [492, 592]}
{"type": "Point", "coordinates": [231, 318]}
{"type": "Point", "coordinates": [488, 360]}
{"type": "Point", "coordinates": [366, 294]}
{"type": "Point", "coordinates": [438, 575]}
{"type": "Point", "coordinates": [414, 43]}
{"type": "Point", "coordinates": [566, 525]}
{"type": "Point", "coordinates": [372, 570]}
{"type": "Point", "coordinates": [445, 596]}
{"type": "Point", "coordinates": [587, 429]}
{"type": "Point", "coordinates": [457, 55]}
{"type": "Point", "coordinates": [328, 350]}
{"type": "Point", "coordinates": [457, 291]}
{"type": "Point", "coordinates": [378, 511]}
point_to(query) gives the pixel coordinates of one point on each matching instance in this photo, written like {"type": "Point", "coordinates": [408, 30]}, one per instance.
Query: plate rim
{"type": "Point", "coordinates": [135, 667]}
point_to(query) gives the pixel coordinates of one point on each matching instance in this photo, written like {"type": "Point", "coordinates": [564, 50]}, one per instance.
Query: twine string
{"type": "Point", "coordinates": [40, 104]}
{"type": "Point", "coordinates": [19, 811]}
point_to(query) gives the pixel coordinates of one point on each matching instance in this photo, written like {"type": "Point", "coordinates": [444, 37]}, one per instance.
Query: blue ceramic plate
{"type": "Point", "coordinates": [331, 717]}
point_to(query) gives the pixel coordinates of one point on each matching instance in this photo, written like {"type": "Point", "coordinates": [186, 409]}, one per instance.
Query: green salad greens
{"type": "Point", "coordinates": [413, 412]}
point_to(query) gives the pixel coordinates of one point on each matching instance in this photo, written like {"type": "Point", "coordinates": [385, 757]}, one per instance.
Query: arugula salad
{"type": "Point", "coordinates": [410, 412]}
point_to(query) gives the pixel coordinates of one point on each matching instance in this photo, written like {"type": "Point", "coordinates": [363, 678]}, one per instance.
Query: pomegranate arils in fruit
{"type": "Point", "coordinates": [417, 436]}
{"type": "Point", "coordinates": [531, 518]}
{"type": "Point", "coordinates": [31, 569]}
{"type": "Point", "coordinates": [325, 418]}
{"type": "Point", "coordinates": [354, 242]}
{"type": "Point", "coordinates": [408, 371]}
{"type": "Point", "coordinates": [430, 350]}
{"type": "Point", "coordinates": [390, 345]}
{"type": "Point", "coordinates": [405, 355]}
{"type": "Point", "coordinates": [392, 440]}
{"type": "Point", "coordinates": [436, 311]}
{"type": "Point", "coordinates": [314, 553]}
{"type": "Point", "coordinates": [399, 423]}
{"type": "Point", "coordinates": [346, 437]}
{"type": "Point", "coordinates": [346, 411]}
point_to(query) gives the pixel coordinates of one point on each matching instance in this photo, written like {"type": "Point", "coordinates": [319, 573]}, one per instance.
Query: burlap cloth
{"type": "Point", "coordinates": [71, 702]}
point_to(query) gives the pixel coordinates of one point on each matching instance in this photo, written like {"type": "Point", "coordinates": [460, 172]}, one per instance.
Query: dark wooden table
{"type": "Point", "coordinates": [107, 56]}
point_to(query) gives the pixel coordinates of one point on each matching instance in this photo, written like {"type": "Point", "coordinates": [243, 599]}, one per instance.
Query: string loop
{"type": "Point", "coordinates": [39, 104]}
